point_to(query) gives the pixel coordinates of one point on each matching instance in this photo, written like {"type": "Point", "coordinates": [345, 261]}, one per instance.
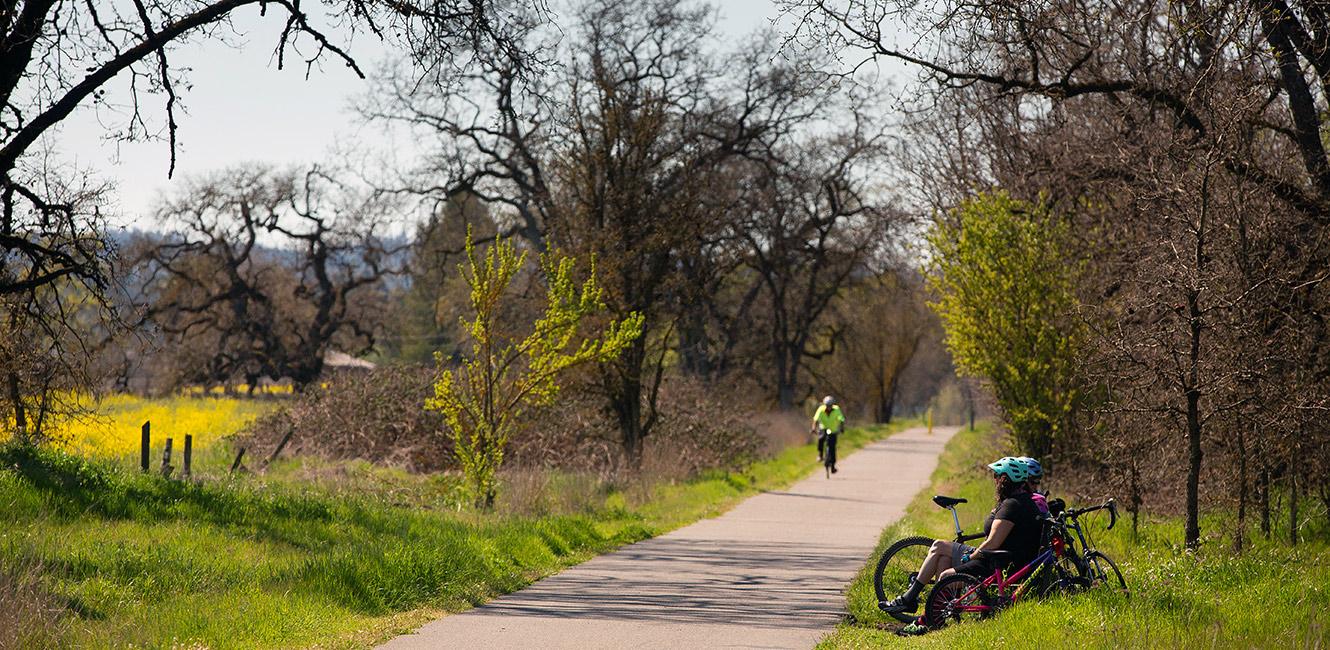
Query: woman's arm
{"type": "Point", "coordinates": [996, 535]}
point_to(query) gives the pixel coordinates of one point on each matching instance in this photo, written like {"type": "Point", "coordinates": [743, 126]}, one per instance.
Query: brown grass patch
{"type": "Point", "coordinates": [30, 616]}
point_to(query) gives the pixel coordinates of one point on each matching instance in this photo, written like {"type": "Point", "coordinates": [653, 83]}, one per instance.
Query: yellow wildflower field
{"type": "Point", "coordinates": [115, 429]}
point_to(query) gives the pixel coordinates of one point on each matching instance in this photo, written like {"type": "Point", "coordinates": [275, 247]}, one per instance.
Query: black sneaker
{"type": "Point", "coordinates": [899, 604]}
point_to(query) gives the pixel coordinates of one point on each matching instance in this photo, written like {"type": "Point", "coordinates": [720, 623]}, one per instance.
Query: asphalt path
{"type": "Point", "coordinates": [770, 573]}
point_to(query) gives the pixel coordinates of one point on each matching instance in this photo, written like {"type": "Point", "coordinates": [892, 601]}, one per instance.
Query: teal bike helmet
{"type": "Point", "coordinates": [1012, 468]}
{"type": "Point", "coordinates": [1033, 466]}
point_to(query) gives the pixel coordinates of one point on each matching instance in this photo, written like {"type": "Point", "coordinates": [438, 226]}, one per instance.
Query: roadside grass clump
{"type": "Point", "coordinates": [1272, 596]}
{"type": "Point", "coordinates": [315, 554]}
{"type": "Point", "coordinates": [30, 615]}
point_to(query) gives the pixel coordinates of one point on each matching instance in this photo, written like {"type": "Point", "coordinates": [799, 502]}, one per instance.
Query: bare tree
{"type": "Point", "coordinates": [57, 304]}
{"type": "Point", "coordinates": [615, 155]}
{"type": "Point", "coordinates": [57, 55]}
{"type": "Point", "coordinates": [811, 228]}
{"type": "Point", "coordinates": [267, 272]}
{"type": "Point", "coordinates": [886, 320]}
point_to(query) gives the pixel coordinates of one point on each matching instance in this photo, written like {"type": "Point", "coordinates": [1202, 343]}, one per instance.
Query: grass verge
{"type": "Point", "coordinates": [1272, 596]}
{"type": "Point", "coordinates": [345, 561]}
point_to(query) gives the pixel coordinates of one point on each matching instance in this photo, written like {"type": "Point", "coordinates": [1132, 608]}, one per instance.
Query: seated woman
{"type": "Point", "coordinates": [1032, 483]}
{"type": "Point", "coordinates": [1012, 526]}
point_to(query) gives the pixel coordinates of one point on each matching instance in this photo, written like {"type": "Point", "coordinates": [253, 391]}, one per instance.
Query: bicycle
{"type": "Point", "coordinates": [901, 560]}
{"type": "Point", "coordinates": [1093, 567]}
{"type": "Point", "coordinates": [829, 455]}
{"type": "Point", "coordinates": [1058, 568]}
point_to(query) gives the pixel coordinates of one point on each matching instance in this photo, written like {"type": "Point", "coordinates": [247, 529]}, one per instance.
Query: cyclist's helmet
{"type": "Point", "coordinates": [1033, 466]}
{"type": "Point", "coordinates": [828, 401]}
{"type": "Point", "coordinates": [1012, 468]}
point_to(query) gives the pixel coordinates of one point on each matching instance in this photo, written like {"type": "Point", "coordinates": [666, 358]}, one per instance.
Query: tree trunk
{"type": "Point", "coordinates": [624, 381]}
{"type": "Point", "coordinates": [1135, 497]}
{"type": "Point", "coordinates": [784, 381]}
{"type": "Point", "coordinates": [1293, 499]}
{"type": "Point", "coordinates": [882, 414]}
{"type": "Point", "coordinates": [1264, 496]}
{"type": "Point", "coordinates": [1241, 532]}
{"type": "Point", "coordinates": [1192, 536]}
{"type": "Point", "coordinates": [887, 400]}
{"type": "Point", "coordinates": [16, 400]}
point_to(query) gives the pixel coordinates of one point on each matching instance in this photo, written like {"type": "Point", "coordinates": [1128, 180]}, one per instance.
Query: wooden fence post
{"type": "Point", "coordinates": [280, 445]}
{"type": "Point", "coordinates": [236, 465]}
{"type": "Point", "coordinates": [189, 451]}
{"type": "Point", "coordinates": [166, 460]}
{"type": "Point", "coordinates": [146, 427]}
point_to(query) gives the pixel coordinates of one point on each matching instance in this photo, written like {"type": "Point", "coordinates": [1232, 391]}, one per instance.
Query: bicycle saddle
{"type": "Point", "coordinates": [998, 559]}
{"type": "Point", "coordinates": [947, 502]}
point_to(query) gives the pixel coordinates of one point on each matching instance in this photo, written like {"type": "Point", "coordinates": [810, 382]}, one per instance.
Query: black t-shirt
{"type": "Point", "coordinates": [1026, 531]}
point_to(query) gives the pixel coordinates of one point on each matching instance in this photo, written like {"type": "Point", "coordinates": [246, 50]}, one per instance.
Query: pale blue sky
{"type": "Point", "coordinates": [241, 108]}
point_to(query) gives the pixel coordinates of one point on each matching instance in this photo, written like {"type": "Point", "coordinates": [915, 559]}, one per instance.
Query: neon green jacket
{"type": "Point", "coordinates": [829, 418]}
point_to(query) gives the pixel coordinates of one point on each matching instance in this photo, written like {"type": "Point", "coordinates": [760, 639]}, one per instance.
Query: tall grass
{"type": "Point", "coordinates": [1272, 596]}
{"type": "Point", "coordinates": [30, 616]}
{"type": "Point", "coordinates": [316, 554]}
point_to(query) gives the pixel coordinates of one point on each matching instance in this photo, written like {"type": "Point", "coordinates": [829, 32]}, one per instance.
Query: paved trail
{"type": "Point", "coordinates": [768, 574]}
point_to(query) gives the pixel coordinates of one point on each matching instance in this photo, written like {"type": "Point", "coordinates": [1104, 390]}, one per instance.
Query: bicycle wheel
{"type": "Point", "coordinates": [1064, 579]}
{"type": "Point", "coordinates": [955, 598]}
{"type": "Point", "coordinates": [894, 568]}
{"type": "Point", "coordinates": [1104, 572]}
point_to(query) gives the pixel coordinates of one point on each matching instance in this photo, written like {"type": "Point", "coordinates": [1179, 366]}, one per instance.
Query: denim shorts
{"type": "Point", "coordinates": [958, 550]}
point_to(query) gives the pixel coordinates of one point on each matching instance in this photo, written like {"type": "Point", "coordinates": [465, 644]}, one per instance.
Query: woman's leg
{"type": "Point", "coordinates": [939, 559]}
{"type": "Point", "coordinates": [953, 560]}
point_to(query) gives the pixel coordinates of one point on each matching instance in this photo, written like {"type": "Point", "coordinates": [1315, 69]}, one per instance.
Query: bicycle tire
{"type": "Point", "coordinates": [892, 574]}
{"type": "Point", "coordinates": [1103, 571]}
{"type": "Point", "coordinates": [952, 592]}
{"type": "Point", "coordinates": [1066, 578]}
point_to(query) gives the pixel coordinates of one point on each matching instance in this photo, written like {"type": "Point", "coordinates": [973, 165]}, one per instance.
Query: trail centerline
{"type": "Point", "coordinates": [768, 574]}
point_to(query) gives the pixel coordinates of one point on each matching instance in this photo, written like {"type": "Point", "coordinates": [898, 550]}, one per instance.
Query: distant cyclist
{"type": "Point", "coordinates": [828, 422]}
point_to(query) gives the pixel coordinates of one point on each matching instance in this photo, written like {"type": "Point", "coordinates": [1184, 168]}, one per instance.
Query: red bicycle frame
{"type": "Point", "coordinates": [996, 581]}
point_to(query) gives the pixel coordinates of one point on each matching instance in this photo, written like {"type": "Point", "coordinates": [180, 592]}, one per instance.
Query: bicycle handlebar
{"type": "Point", "coordinates": [1111, 505]}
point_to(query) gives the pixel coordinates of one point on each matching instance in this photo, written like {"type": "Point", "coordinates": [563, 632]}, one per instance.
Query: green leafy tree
{"type": "Point", "coordinates": [507, 370]}
{"type": "Point", "coordinates": [1007, 296]}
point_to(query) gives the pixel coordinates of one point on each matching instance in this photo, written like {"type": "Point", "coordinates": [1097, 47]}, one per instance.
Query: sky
{"type": "Point", "coordinates": [240, 108]}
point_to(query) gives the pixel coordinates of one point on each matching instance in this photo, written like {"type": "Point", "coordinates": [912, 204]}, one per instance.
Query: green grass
{"type": "Point", "coordinates": [1272, 596]}
{"type": "Point", "coordinates": [313, 555]}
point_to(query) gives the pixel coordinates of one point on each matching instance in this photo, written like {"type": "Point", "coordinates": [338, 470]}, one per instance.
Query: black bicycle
{"type": "Point", "coordinates": [1091, 567]}
{"type": "Point", "coordinates": [901, 560]}
{"type": "Point", "coordinates": [826, 443]}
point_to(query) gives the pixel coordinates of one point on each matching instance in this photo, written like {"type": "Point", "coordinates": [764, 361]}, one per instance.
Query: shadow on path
{"type": "Point", "coordinates": [759, 584]}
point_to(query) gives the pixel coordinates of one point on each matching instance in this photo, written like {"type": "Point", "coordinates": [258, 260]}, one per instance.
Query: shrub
{"type": "Point", "coordinates": [377, 416]}
{"type": "Point", "coordinates": [697, 430]}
